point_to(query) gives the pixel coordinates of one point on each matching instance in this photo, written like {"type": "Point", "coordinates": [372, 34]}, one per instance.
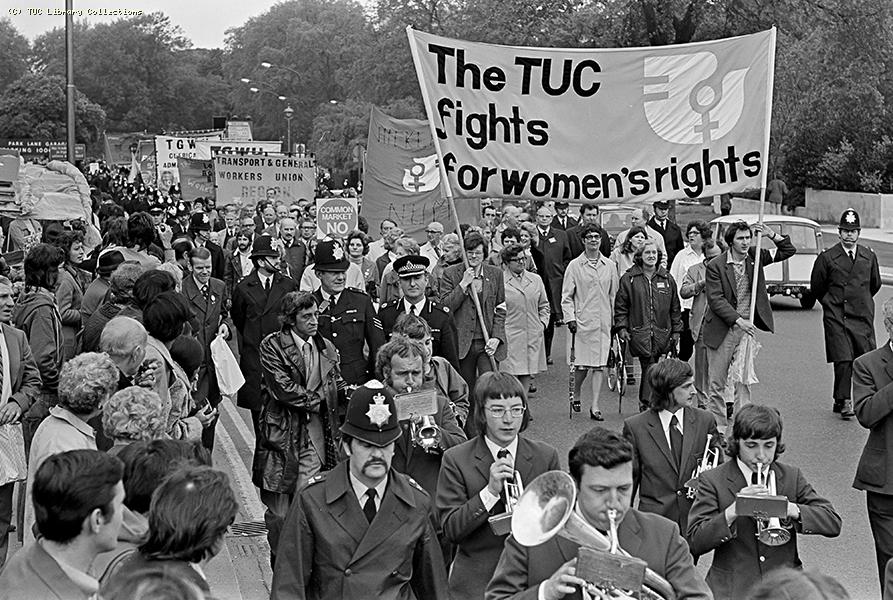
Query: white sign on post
{"type": "Point", "coordinates": [336, 217]}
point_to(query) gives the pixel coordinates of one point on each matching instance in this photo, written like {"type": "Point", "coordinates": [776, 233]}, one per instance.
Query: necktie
{"type": "Point", "coordinates": [852, 255]}
{"type": "Point", "coordinates": [676, 440]}
{"type": "Point", "coordinates": [501, 505]}
{"type": "Point", "coordinates": [205, 291]}
{"type": "Point", "coordinates": [369, 507]}
{"type": "Point", "coordinates": [753, 478]}
{"type": "Point", "coordinates": [412, 309]}
{"type": "Point", "coordinates": [267, 284]}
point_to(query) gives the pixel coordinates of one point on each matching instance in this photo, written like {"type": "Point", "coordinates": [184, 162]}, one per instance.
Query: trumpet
{"type": "Point", "coordinates": [770, 531]}
{"type": "Point", "coordinates": [512, 489]}
{"type": "Point", "coordinates": [710, 460]}
{"type": "Point", "coordinates": [426, 434]}
{"type": "Point", "coordinates": [547, 507]}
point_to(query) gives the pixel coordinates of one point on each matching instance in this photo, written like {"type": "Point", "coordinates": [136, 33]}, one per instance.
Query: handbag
{"type": "Point", "coordinates": [229, 375]}
{"type": "Point", "coordinates": [13, 466]}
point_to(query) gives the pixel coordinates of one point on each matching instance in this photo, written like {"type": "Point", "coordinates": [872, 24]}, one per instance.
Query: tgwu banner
{"type": "Point", "coordinates": [592, 124]}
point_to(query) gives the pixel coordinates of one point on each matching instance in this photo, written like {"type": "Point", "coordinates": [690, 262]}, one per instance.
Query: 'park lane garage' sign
{"type": "Point", "coordinates": [335, 217]}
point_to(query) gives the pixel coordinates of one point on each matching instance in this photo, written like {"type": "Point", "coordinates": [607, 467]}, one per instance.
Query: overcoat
{"type": "Point", "coordinates": [556, 256]}
{"type": "Point", "coordinates": [526, 316]}
{"type": "Point", "coordinates": [587, 297]}
{"type": "Point", "coordinates": [333, 552]}
{"type": "Point", "coordinates": [649, 310]}
{"type": "Point", "coordinates": [255, 313]}
{"type": "Point", "coordinates": [846, 289]}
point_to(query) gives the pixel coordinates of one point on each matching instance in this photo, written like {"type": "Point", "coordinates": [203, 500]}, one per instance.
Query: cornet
{"type": "Point", "coordinates": [710, 460]}
{"type": "Point", "coordinates": [426, 434]}
{"type": "Point", "coordinates": [512, 489]}
{"type": "Point", "coordinates": [770, 531]}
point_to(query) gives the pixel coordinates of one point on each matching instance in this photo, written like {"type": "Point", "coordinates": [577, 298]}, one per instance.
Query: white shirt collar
{"type": "Point", "coordinates": [331, 298]}
{"type": "Point", "coordinates": [745, 470]}
{"type": "Point", "coordinates": [666, 416]}
{"type": "Point", "coordinates": [494, 448]}
{"type": "Point", "coordinates": [359, 489]}
{"type": "Point", "coordinates": [264, 278]}
{"type": "Point", "coordinates": [418, 307]}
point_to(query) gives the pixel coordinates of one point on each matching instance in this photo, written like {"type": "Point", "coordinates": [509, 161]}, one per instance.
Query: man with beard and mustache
{"type": "Point", "coordinates": [363, 515]}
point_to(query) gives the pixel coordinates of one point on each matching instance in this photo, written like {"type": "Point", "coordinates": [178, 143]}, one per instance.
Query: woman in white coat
{"type": "Point", "coordinates": [587, 302]}
{"type": "Point", "coordinates": [526, 316]}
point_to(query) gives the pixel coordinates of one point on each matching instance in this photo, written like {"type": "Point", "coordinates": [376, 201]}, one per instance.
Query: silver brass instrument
{"type": "Point", "coordinates": [547, 507]}
{"type": "Point", "coordinates": [501, 524]}
{"type": "Point", "coordinates": [426, 433]}
{"type": "Point", "coordinates": [770, 531]}
{"type": "Point", "coordinates": [710, 460]}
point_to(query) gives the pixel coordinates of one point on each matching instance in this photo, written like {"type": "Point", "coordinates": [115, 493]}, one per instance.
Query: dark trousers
{"type": "Point", "coordinates": [207, 389]}
{"type": "Point", "coordinates": [686, 342]}
{"type": "Point", "coordinates": [5, 519]}
{"type": "Point", "coordinates": [470, 366]}
{"type": "Point", "coordinates": [644, 386]}
{"type": "Point", "coordinates": [843, 380]}
{"type": "Point", "coordinates": [880, 517]}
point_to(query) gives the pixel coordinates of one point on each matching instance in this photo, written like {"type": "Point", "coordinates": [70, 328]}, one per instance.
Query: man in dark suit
{"type": "Point", "coordinates": [845, 278]}
{"type": "Point", "coordinates": [556, 255]}
{"type": "Point", "coordinates": [295, 251]}
{"type": "Point", "coordinates": [669, 441]}
{"type": "Point", "coordinates": [412, 271]}
{"type": "Point", "coordinates": [476, 350]}
{"type": "Point", "coordinates": [346, 316]}
{"type": "Point", "coordinates": [740, 559]}
{"type": "Point", "coordinates": [601, 463]}
{"type": "Point", "coordinates": [238, 261]}
{"type": "Point", "coordinates": [362, 514]}
{"type": "Point", "coordinates": [200, 231]}
{"type": "Point", "coordinates": [561, 220]}
{"type": "Point", "coordinates": [672, 233]}
{"type": "Point", "coordinates": [471, 487]}
{"type": "Point", "coordinates": [255, 313]}
{"type": "Point", "coordinates": [231, 228]}
{"type": "Point", "coordinates": [588, 216]}
{"type": "Point", "coordinates": [873, 398]}
{"type": "Point", "coordinates": [19, 369]}
{"type": "Point", "coordinates": [729, 287]}
{"type": "Point", "coordinates": [210, 309]}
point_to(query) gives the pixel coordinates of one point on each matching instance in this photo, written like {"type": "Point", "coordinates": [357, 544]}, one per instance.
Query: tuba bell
{"type": "Point", "coordinates": [770, 531]}
{"type": "Point", "coordinates": [547, 508]}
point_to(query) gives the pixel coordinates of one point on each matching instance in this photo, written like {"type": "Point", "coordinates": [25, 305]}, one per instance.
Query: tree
{"type": "Point", "coordinates": [14, 51]}
{"type": "Point", "coordinates": [313, 45]}
{"type": "Point", "coordinates": [34, 108]}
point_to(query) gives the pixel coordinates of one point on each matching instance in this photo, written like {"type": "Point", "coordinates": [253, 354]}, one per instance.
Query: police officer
{"type": "Point", "coordinates": [412, 271]}
{"type": "Point", "coordinates": [346, 315]}
{"type": "Point", "coordinates": [845, 278]}
{"type": "Point", "coordinates": [362, 529]}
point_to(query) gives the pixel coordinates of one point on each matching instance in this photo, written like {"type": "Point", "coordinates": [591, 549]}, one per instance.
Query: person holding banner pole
{"type": "Point", "coordinates": [737, 305]}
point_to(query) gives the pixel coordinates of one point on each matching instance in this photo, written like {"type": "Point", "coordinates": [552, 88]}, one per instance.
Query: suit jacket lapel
{"type": "Point", "coordinates": [729, 273]}
{"type": "Point", "coordinates": [483, 458]}
{"type": "Point", "coordinates": [688, 436]}
{"type": "Point", "coordinates": [14, 357]}
{"type": "Point", "coordinates": [628, 533]}
{"type": "Point", "coordinates": [293, 353]}
{"type": "Point", "coordinates": [887, 357]}
{"type": "Point", "coordinates": [656, 429]}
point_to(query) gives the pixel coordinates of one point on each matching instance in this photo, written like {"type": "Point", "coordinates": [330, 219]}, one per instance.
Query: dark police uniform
{"type": "Point", "coordinates": [336, 549]}
{"type": "Point", "coordinates": [845, 287]}
{"type": "Point", "coordinates": [350, 323]}
{"type": "Point", "coordinates": [443, 328]}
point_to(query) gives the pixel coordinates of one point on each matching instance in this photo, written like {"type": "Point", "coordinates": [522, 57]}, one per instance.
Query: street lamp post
{"type": "Point", "coordinates": [289, 113]}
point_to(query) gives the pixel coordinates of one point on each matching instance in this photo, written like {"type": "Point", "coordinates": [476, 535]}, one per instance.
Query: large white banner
{"type": "Point", "coordinates": [598, 124]}
{"type": "Point", "coordinates": [169, 148]}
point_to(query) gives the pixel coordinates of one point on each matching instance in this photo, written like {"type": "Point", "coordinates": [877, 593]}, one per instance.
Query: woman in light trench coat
{"type": "Point", "coordinates": [526, 317]}
{"type": "Point", "coordinates": [587, 302]}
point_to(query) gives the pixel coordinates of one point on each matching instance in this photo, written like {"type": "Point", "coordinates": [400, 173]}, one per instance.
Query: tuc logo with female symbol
{"type": "Point", "coordinates": [687, 102]}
